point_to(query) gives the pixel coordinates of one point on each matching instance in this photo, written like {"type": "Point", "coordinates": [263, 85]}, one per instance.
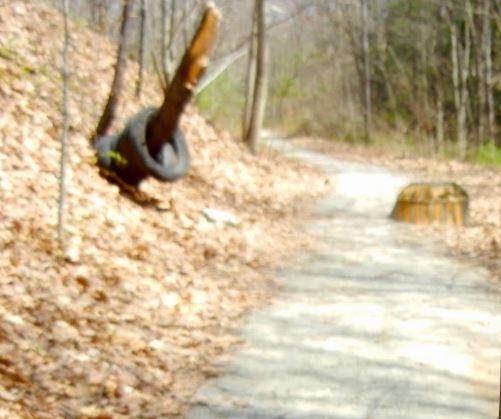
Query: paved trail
{"type": "Point", "coordinates": [376, 325]}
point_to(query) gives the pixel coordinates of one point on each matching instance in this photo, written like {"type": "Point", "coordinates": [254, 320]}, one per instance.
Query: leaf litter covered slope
{"type": "Point", "coordinates": [480, 240]}
{"type": "Point", "coordinates": [126, 325]}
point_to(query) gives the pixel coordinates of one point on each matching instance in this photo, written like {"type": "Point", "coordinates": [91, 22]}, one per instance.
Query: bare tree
{"type": "Point", "coordinates": [366, 72]}
{"type": "Point", "coordinates": [142, 47]}
{"type": "Point", "coordinates": [464, 52]}
{"type": "Point", "coordinates": [250, 76]}
{"type": "Point", "coordinates": [64, 136]}
{"type": "Point", "coordinates": [487, 47]}
{"type": "Point", "coordinates": [261, 79]}
{"type": "Point", "coordinates": [118, 79]}
{"type": "Point", "coordinates": [168, 36]}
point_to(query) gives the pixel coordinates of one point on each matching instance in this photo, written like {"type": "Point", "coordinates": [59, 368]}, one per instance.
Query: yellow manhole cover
{"type": "Point", "coordinates": [432, 203]}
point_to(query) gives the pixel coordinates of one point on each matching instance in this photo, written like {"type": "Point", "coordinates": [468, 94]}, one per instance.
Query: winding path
{"type": "Point", "coordinates": [375, 325]}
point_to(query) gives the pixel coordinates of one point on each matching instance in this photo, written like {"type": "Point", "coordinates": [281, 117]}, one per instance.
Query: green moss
{"type": "Point", "coordinates": [117, 158]}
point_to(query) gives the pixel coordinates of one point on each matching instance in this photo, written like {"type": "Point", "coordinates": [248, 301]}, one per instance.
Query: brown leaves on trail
{"type": "Point", "coordinates": [128, 322]}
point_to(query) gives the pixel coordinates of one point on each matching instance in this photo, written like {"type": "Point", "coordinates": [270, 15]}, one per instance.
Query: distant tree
{"type": "Point", "coordinates": [250, 76]}
{"type": "Point", "coordinates": [260, 80]}
{"type": "Point", "coordinates": [142, 47]}
{"type": "Point", "coordinates": [366, 86]}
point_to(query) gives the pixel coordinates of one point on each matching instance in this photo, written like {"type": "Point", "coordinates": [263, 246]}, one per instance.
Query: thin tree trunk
{"type": "Point", "coordinates": [163, 40]}
{"type": "Point", "coordinates": [118, 80]}
{"type": "Point", "coordinates": [440, 118]}
{"type": "Point", "coordinates": [142, 48]}
{"type": "Point", "coordinates": [366, 72]}
{"type": "Point", "coordinates": [261, 81]}
{"type": "Point", "coordinates": [487, 35]}
{"type": "Point", "coordinates": [170, 43]}
{"type": "Point", "coordinates": [476, 104]}
{"type": "Point", "coordinates": [455, 65]}
{"type": "Point", "coordinates": [464, 74]}
{"type": "Point", "coordinates": [168, 28]}
{"type": "Point", "coordinates": [64, 136]}
{"type": "Point", "coordinates": [423, 52]}
{"type": "Point", "coordinates": [250, 79]}
{"type": "Point", "coordinates": [185, 23]}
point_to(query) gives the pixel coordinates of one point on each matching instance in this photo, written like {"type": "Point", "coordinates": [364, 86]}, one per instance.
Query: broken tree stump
{"type": "Point", "coordinates": [151, 144]}
{"type": "Point", "coordinates": [432, 203]}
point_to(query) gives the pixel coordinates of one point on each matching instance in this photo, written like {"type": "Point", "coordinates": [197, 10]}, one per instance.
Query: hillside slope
{"type": "Point", "coordinates": [128, 323]}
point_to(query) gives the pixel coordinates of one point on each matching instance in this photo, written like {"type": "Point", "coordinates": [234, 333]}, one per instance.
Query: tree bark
{"type": "Point", "coordinates": [261, 80]}
{"type": "Point", "coordinates": [180, 91]}
{"type": "Point", "coordinates": [460, 72]}
{"type": "Point", "coordinates": [439, 135]}
{"type": "Point", "coordinates": [250, 76]}
{"type": "Point", "coordinates": [186, 6]}
{"type": "Point", "coordinates": [366, 72]}
{"type": "Point", "coordinates": [118, 79]}
{"type": "Point", "coordinates": [455, 65]}
{"type": "Point", "coordinates": [64, 136]}
{"type": "Point", "coordinates": [168, 29]}
{"type": "Point", "coordinates": [163, 43]}
{"type": "Point", "coordinates": [487, 47]}
{"type": "Point", "coordinates": [464, 75]}
{"type": "Point", "coordinates": [142, 48]}
{"type": "Point", "coordinates": [480, 97]}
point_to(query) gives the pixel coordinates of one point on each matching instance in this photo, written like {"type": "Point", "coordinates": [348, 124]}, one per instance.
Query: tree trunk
{"type": "Point", "coordinates": [487, 47]}
{"type": "Point", "coordinates": [186, 14]}
{"type": "Point", "coordinates": [440, 118]}
{"type": "Point", "coordinates": [464, 75]}
{"type": "Point", "coordinates": [163, 43]}
{"type": "Point", "coordinates": [261, 80]}
{"type": "Point", "coordinates": [424, 41]}
{"type": "Point", "coordinates": [455, 65]}
{"type": "Point", "coordinates": [180, 91]}
{"type": "Point", "coordinates": [366, 72]}
{"type": "Point", "coordinates": [168, 26]}
{"type": "Point", "coordinates": [64, 136]}
{"type": "Point", "coordinates": [142, 48]}
{"type": "Point", "coordinates": [118, 80]}
{"type": "Point", "coordinates": [480, 98]}
{"type": "Point", "coordinates": [170, 44]}
{"type": "Point", "coordinates": [250, 79]}
{"type": "Point", "coordinates": [460, 73]}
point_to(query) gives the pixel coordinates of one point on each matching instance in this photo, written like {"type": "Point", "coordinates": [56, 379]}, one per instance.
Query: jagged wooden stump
{"type": "Point", "coordinates": [151, 144]}
{"type": "Point", "coordinates": [432, 203]}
